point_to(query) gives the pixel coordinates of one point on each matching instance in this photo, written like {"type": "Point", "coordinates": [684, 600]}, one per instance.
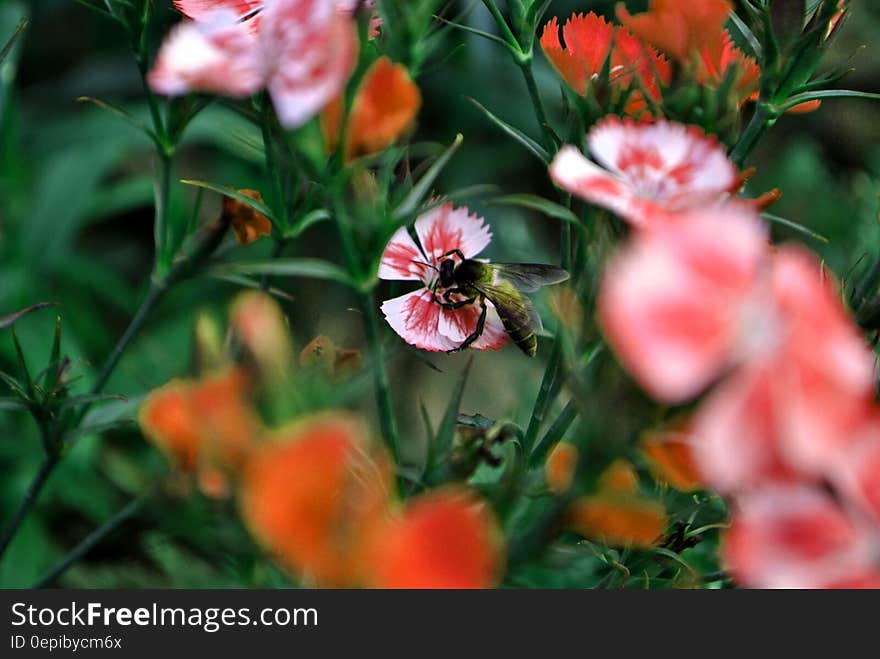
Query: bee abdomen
{"type": "Point", "coordinates": [523, 337]}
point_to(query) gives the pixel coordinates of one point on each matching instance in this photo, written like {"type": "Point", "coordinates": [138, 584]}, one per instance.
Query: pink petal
{"type": "Point", "coordinates": [416, 318]}
{"type": "Point", "coordinates": [573, 172]}
{"type": "Point", "coordinates": [423, 323]}
{"type": "Point", "coordinates": [679, 305]}
{"type": "Point", "coordinates": [735, 433]}
{"type": "Point", "coordinates": [445, 228]}
{"type": "Point", "coordinates": [458, 324]}
{"type": "Point", "coordinates": [201, 10]}
{"type": "Point", "coordinates": [825, 365]}
{"type": "Point", "coordinates": [313, 50]}
{"type": "Point", "coordinates": [794, 537]}
{"type": "Point", "coordinates": [674, 165]}
{"type": "Point", "coordinates": [401, 259]}
{"type": "Point", "coordinates": [220, 56]}
{"type": "Point", "coordinates": [857, 472]}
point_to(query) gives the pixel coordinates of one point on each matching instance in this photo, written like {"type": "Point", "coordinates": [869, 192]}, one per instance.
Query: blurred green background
{"type": "Point", "coordinates": [76, 217]}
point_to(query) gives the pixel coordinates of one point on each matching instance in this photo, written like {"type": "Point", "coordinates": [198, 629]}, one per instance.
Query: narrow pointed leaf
{"type": "Point", "coordinates": [126, 116]}
{"type": "Point", "coordinates": [421, 189]}
{"type": "Point", "coordinates": [446, 432]}
{"type": "Point", "coordinates": [292, 267]}
{"type": "Point", "coordinates": [775, 219]}
{"type": "Point", "coordinates": [229, 191]}
{"type": "Point", "coordinates": [799, 99]}
{"type": "Point", "coordinates": [8, 404]}
{"type": "Point", "coordinates": [89, 399]}
{"type": "Point", "coordinates": [7, 321]}
{"type": "Point", "coordinates": [533, 202]}
{"type": "Point", "coordinates": [22, 24]}
{"type": "Point", "coordinates": [524, 140]}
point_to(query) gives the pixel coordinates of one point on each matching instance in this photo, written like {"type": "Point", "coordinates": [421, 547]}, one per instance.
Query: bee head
{"type": "Point", "coordinates": [447, 267]}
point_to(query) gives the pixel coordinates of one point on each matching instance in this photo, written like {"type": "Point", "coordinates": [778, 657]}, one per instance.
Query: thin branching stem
{"type": "Point", "coordinates": [28, 501]}
{"type": "Point", "coordinates": [95, 537]}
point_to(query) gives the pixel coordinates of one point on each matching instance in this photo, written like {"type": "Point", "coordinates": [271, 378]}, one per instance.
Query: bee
{"type": "Point", "coordinates": [502, 284]}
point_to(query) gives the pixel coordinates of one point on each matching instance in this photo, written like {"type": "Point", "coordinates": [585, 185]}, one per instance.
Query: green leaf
{"type": "Point", "coordinates": [308, 220]}
{"type": "Point", "coordinates": [125, 116]}
{"type": "Point", "coordinates": [22, 366]}
{"type": "Point", "coordinates": [248, 282]}
{"type": "Point", "coordinates": [420, 190]}
{"type": "Point", "coordinates": [229, 191]}
{"type": "Point", "coordinates": [479, 33]}
{"type": "Point", "coordinates": [95, 429]}
{"type": "Point", "coordinates": [7, 321]}
{"type": "Point", "coordinates": [50, 378]}
{"type": "Point", "coordinates": [22, 24]}
{"type": "Point", "coordinates": [442, 443]}
{"type": "Point", "coordinates": [798, 99]}
{"type": "Point", "coordinates": [533, 202]}
{"type": "Point", "coordinates": [530, 145]}
{"type": "Point", "coordinates": [291, 267]}
{"type": "Point", "coordinates": [795, 226]}
{"type": "Point", "coordinates": [89, 399]}
{"type": "Point", "coordinates": [8, 404]}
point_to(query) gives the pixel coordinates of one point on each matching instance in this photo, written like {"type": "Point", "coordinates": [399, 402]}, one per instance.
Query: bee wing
{"type": "Point", "coordinates": [529, 277]}
{"type": "Point", "coordinates": [515, 310]}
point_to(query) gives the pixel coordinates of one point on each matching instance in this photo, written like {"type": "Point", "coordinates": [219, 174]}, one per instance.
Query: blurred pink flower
{"type": "Point", "coordinates": [797, 409]}
{"type": "Point", "coordinates": [646, 169]}
{"type": "Point", "coordinates": [303, 53]}
{"type": "Point", "coordinates": [796, 536]}
{"type": "Point", "coordinates": [682, 305]}
{"type": "Point", "coordinates": [417, 317]}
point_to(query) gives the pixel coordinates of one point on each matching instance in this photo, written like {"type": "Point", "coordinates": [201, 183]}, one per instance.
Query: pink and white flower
{"type": "Point", "coordinates": [683, 305]}
{"type": "Point", "coordinates": [417, 316]}
{"type": "Point", "coordinates": [301, 51]}
{"type": "Point", "coordinates": [795, 536]}
{"type": "Point", "coordinates": [647, 170]}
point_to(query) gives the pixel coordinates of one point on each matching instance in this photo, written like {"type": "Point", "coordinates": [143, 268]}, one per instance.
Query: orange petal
{"type": "Point", "coordinates": [587, 46]}
{"type": "Point", "coordinates": [446, 539]}
{"type": "Point", "coordinates": [247, 223]}
{"type": "Point", "coordinates": [804, 108]}
{"type": "Point", "coordinates": [316, 497]}
{"type": "Point", "coordinates": [671, 461]}
{"type": "Point", "coordinates": [560, 466]}
{"type": "Point", "coordinates": [620, 477]}
{"type": "Point", "coordinates": [619, 520]}
{"type": "Point", "coordinates": [229, 426]}
{"type": "Point", "coordinates": [678, 28]}
{"type": "Point", "coordinates": [386, 104]}
{"type": "Point", "coordinates": [167, 420]}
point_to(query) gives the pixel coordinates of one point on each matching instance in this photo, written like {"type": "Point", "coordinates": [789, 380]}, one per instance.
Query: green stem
{"type": "Point", "coordinates": [154, 295]}
{"type": "Point", "coordinates": [554, 434]}
{"type": "Point", "coordinates": [387, 421]}
{"type": "Point", "coordinates": [27, 502]}
{"type": "Point", "coordinates": [525, 65]}
{"type": "Point", "coordinates": [279, 203]}
{"type": "Point", "coordinates": [762, 120]}
{"type": "Point", "coordinates": [502, 24]}
{"type": "Point", "coordinates": [543, 400]}
{"type": "Point", "coordinates": [92, 539]}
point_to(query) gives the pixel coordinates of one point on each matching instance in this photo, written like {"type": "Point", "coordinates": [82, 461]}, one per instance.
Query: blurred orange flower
{"type": "Point", "coordinates": [560, 467]}
{"type": "Point", "coordinates": [205, 426]}
{"type": "Point", "coordinates": [671, 459]}
{"type": "Point", "coordinates": [446, 539]}
{"type": "Point", "coordinates": [316, 497]}
{"type": "Point", "coordinates": [617, 515]}
{"type": "Point", "coordinates": [385, 106]}
{"type": "Point", "coordinates": [678, 28]}
{"type": "Point", "coordinates": [247, 223]}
